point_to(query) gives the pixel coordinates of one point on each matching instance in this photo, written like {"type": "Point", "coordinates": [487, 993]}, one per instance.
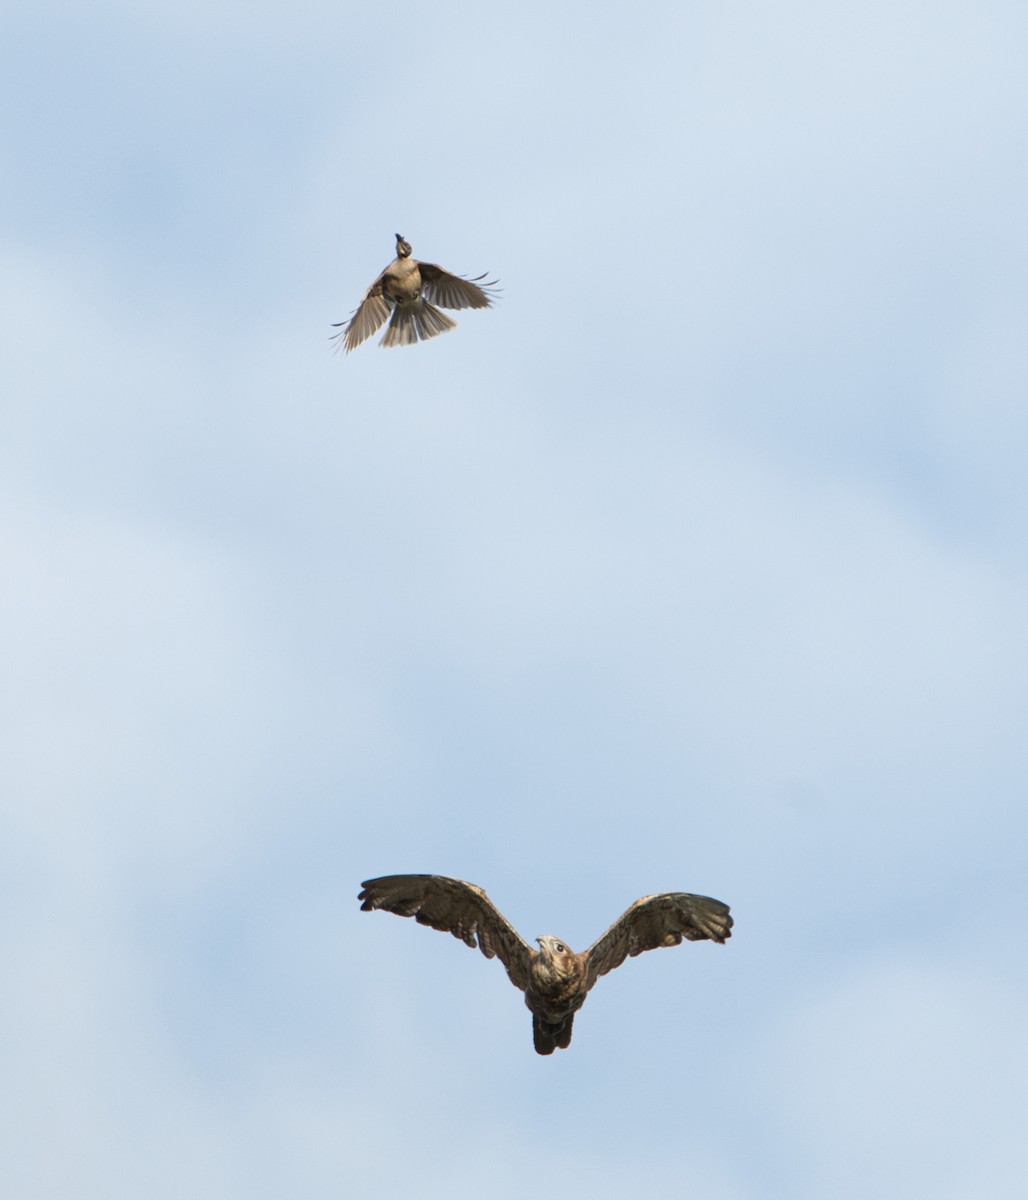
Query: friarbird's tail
{"type": "Point", "coordinates": [413, 322]}
{"type": "Point", "coordinates": [549, 1037]}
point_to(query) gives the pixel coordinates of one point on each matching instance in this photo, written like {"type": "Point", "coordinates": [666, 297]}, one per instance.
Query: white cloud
{"type": "Point", "coordinates": [693, 564]}
{"type": "Point", "coordinates": [906, 1077]}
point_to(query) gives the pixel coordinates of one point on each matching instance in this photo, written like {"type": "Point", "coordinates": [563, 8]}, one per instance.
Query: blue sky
{"type": "Point", "coordinates": [696, 564]}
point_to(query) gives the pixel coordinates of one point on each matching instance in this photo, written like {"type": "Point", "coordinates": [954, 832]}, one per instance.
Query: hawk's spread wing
{"type": "Point", "coordinates": [450, 291]}
{"type": "Point", "coordinates": [654, 921]}
{"type": "Point", "coordinates": [455, 907]}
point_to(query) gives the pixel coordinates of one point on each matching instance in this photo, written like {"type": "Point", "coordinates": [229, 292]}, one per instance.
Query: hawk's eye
{"type": "Point", "coordinates": [559, 948]}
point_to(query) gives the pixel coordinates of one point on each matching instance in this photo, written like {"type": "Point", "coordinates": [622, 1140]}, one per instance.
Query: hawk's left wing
{"type": "Point", "coordinates": [654, 921]}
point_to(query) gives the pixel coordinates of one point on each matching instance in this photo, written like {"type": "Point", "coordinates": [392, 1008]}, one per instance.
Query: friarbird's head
{"type": "Point", "coordinates": [403, 248]}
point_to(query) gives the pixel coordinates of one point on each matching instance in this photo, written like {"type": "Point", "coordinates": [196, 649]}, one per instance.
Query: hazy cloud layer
{"type": "Point", "coordinates": [698, 563]}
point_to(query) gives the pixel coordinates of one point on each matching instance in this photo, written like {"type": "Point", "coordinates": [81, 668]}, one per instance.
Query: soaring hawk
{"type": "Point", "coordinates": [554, 979]}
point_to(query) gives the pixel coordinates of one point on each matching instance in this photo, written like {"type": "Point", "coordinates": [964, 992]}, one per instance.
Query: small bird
{"type": "Point", "coordinates": [410, 290]}
{"type": "Point", "coordinates": [554, 979]}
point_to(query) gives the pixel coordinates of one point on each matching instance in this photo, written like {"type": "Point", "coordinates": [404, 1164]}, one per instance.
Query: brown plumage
{"type": "Point", "coordinates": [410, 290]}
{"type": "Point", "coordinates": [554, 979]}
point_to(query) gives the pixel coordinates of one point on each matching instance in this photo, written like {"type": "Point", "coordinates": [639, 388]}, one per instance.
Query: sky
{"type": "Point", "coordinates": [697, 563]}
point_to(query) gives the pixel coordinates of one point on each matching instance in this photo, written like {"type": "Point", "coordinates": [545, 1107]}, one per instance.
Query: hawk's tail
{"type": "Point", "coordinates": [549, 1037]}
{"type": "Point", "coordinates": [416, 322]}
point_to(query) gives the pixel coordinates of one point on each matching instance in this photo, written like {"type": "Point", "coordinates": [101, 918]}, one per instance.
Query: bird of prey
{"type": "Point", "coordinates": [554, 979]}
{"type": "Point", "coordinates": [410, 290]}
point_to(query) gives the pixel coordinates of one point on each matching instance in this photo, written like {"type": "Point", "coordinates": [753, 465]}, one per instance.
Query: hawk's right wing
{"type": "Point", "coordinates": [456, 907]}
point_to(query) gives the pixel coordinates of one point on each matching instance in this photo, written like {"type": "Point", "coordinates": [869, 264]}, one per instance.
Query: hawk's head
{"type": "Point", "coordinates": [556, 959]}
